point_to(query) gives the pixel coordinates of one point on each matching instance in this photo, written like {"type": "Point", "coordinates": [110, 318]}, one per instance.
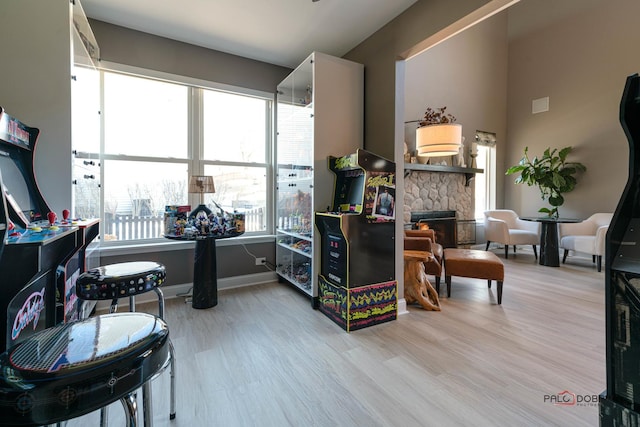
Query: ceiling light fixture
{"type": "Point", "coordinates": [439, 140]}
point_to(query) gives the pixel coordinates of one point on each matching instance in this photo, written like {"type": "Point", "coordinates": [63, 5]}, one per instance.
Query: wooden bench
{"type": "Point", "coordinates": [475, 264]}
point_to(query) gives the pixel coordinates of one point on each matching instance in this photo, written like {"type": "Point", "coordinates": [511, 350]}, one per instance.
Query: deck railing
{"type": "Point", "coordinates": [129, 227]}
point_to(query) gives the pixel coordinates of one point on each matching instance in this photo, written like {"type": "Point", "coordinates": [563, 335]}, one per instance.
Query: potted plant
{"type": "Point", "coordinates": [551, 173]}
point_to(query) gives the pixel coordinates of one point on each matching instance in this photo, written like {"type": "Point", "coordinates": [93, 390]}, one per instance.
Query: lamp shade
{"type": "Point", "coordinates": [439, 140]}
{"type": "Point", "coordinates": [201, 184]}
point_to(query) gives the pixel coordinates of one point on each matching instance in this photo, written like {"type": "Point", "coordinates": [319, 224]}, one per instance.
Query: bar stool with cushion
{"type": "Point", "coordinates": [75, 368]}
{"type": "Point", "coordinates": [126, 280]}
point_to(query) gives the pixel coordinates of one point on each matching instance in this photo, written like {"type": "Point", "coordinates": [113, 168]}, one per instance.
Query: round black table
{"type": "Point", "coordinates": [549, 250]}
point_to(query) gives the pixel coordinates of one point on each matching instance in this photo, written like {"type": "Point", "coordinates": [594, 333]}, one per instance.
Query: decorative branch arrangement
{"type": "Point", "coordinates": [436, 117]}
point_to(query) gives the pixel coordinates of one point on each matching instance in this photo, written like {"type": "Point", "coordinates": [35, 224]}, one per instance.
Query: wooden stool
{"type": "Point", "coordinates": [475, 264]}
{"type": "Point", "coordinates": [126, 280]}
{"type": "Point", "coordinates": [416, 285]}
{"type": "Point", "coordinates": [75, 368]}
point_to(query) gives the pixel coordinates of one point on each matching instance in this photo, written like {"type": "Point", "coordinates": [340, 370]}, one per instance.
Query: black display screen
{"type": "Point", "coordinates": [15, 184]}
{"type": "Point", "coordinates": [349, 192]}
{"type": "Point", "coordinates": [17, 142]}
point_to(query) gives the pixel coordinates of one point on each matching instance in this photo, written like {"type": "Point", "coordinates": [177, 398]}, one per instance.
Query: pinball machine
{"type": "Point", "coordinates": [42, 255]}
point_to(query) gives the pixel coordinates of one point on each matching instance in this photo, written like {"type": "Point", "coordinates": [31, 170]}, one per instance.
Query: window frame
{"type": "Point", "coordinates": [490, 171]}
{"type": "Point", "coordinates": [194, 162]}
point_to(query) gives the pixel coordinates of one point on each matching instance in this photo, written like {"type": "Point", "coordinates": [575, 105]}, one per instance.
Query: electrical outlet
{"type": "Point", "coordinates": [261, 261]}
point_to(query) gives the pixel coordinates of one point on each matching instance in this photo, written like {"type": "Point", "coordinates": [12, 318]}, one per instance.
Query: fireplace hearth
{"type": "Point", "coordinates": [442, 222]}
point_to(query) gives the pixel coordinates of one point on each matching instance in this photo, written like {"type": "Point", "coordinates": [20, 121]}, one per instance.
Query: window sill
{"type": "Point", "coordinates": [167, 245]}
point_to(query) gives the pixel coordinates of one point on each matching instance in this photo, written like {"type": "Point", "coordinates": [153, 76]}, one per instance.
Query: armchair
{"type": "Point", "coordinates": [587, 237]}
{"type": "Point", "coordinates": [425, 240]}
{"type": "Point", "coordinates": [505, 227]}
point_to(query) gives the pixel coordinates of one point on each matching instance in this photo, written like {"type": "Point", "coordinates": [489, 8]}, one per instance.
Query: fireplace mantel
{"type": "Point", "coordinates": [419, 167]}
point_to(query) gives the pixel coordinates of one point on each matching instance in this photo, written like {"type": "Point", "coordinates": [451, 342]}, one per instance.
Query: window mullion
{"type": "Point", "coordinates": [101, 156]}
{"type": "Point", "coordinates": [195, 138]}
{"type": "Point", "coordinates": [196, 127]}
{"type": "Point", "coordinates": [270, 155]}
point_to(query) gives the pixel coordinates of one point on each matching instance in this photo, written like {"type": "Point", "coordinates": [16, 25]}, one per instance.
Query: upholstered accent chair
{"type": "Point", "coordinates": [427, 243]}
{"type": "Point", "coordinates": [586, 237]}
{"type": "Point", "coordinates": [505, 227]}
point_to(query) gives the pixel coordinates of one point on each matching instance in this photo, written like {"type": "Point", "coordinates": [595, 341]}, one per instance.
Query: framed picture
{"type": "Point", "coordinates": [385, 203]}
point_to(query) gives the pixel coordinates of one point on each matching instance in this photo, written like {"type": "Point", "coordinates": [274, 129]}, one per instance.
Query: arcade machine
{"type": "Point", "coordinates": [620, 402]}
{"type": "Point", "coordinates": [4, 218]}
{"type": "Point", "coordinates": [356, 284]}
{"type": "Point", "coordinates": [41, 255]}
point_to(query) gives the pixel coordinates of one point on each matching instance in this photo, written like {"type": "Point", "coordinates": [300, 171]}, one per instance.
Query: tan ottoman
{"type": "Point", "coordinates": [475, 264]}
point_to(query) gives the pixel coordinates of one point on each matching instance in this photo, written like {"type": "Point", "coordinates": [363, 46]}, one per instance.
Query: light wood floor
{"type": "Point", "coordinates": [264, 357]}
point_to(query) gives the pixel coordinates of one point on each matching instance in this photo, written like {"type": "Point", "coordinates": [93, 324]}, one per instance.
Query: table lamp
{"type": "Point", "coordinates": [202, 185]}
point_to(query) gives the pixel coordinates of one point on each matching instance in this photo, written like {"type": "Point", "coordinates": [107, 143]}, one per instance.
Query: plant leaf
{"type": "Point", "coordinates": [556, 200]}
{"type": "Point", "coordinates": [515, 169]}
{"type": "Point", "coordinates": [564, 152]}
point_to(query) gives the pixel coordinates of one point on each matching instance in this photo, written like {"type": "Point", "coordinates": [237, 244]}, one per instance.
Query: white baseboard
{"type": "Point", "coordinates": [182, 290]}
{"type": "Point", "coordinates": [402, 306]}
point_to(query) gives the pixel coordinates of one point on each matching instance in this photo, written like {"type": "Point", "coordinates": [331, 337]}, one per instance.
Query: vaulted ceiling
{"type": "Point", "coordinates": [281, 32]}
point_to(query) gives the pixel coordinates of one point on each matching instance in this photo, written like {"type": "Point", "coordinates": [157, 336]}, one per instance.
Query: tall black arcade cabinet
{"type": "Point", "coordinates": [620, 402]}
{"type": "Point", "coordinates": [356, 284]}
{"type": "Point", "coordinates": [4, 217]}
{"type": "Point", "coordinates": [41, 255]}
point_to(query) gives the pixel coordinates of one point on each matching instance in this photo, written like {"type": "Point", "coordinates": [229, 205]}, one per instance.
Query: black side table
{"type": "Point", "coordinates": [205, 271]}
{"type": "Point", "coordinates": [549, 248]}
{"type": "Point", "coordinates": [205, 274]}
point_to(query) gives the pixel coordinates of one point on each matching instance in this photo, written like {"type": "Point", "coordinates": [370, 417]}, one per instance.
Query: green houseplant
{"type": "Point", "coordinates": [551, 173]}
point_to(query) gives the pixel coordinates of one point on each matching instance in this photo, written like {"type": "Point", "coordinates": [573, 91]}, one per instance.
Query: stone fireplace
{"type": "Point", "coordinates": [439, 191]}
{"type": "Point", "coordinates": [443, 223]}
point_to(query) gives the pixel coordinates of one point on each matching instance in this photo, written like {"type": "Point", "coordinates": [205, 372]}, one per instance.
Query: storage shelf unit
{"type": "Point", "coordinates": [319, 113]}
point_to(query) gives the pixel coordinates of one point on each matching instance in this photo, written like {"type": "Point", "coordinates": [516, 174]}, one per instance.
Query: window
{"type": "Point", "coordinates": [485, 183]}
{"type": "Point", "coordinates": [156, 133]}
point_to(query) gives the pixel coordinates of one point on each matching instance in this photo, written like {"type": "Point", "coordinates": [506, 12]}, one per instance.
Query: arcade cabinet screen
{"type": "Point", "coordinates": [15, 185]}
{"type": "Point", "coordinates": [350, 192]}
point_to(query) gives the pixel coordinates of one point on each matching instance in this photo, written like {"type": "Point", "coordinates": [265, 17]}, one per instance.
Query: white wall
{"type": "Point", "coordinates": [580, 62]}
{"type": "Point", "coordinates": [578, 53]}
{"type": "Point", "coordinates": [467, 74]}
{"type": "Point", "coordinates": [35, 86]}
